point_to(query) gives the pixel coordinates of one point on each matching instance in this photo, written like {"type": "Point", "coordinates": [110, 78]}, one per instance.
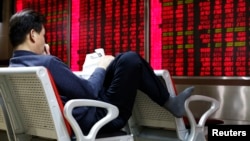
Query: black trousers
{"type": "Point", "coordinates": [125, 75]}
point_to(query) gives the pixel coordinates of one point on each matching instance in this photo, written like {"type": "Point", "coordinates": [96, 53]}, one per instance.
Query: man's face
{"type": "Point", "coordinates": [39, 41]}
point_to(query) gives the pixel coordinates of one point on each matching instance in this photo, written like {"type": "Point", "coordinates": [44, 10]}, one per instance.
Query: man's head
{"type": "Point", "coordinates": [27, 26]}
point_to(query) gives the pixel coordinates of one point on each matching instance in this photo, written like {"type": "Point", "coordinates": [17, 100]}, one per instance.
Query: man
{"type": "Point", "coordinates": [114, 81]}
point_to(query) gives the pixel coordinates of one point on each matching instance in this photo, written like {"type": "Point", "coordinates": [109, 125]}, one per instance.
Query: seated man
{"type": "Point", "coordinates": [115, 81]}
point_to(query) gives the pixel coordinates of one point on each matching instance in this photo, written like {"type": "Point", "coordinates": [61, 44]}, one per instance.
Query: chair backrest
{"type": "Point", "coordinates": [31, 103]}
{"type": "Point", "coordinates": [147, 113]}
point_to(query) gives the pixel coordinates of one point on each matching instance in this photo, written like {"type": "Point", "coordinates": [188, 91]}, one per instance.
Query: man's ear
{"type": "Point", "coordinates": [32, 35]}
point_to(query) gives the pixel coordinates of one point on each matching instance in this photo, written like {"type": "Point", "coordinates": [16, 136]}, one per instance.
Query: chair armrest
{"type": "Point", "coordinates": [70, 105]}
{"type": "Point", "coordinates": [196, 129]}
{"type": "Point", "coordinates": [214, 106]}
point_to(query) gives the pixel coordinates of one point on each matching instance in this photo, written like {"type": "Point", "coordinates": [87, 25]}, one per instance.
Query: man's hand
{"type": "Point", "coordinates": [105, 61]}
{"type": "Point", "coordinates": [46, 49]}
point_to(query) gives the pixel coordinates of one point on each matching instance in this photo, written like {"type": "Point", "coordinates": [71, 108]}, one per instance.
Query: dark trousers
{"type": "Point", "coordinates": [125, 75]}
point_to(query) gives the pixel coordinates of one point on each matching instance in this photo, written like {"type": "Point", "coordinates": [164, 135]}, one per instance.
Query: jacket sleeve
{"type": "Point", "coordinates": [72, 86]}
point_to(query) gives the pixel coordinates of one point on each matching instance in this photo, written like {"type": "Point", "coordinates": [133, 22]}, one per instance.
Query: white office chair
{"type": "Point", "coordinates": [35, 109]}
{"type": "Point", "coordinates": [150, 122]}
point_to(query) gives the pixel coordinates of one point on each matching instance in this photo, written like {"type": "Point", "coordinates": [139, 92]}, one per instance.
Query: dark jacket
{"type": "Point", "coordinates": [68, 84]}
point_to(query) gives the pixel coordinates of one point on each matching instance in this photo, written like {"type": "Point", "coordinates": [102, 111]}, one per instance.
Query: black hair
{"type": "Point", "coordinates": [21, 24]}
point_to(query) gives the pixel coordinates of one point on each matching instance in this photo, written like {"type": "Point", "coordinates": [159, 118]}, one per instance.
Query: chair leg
{"type": "Point", "coordinates": [9, 129]}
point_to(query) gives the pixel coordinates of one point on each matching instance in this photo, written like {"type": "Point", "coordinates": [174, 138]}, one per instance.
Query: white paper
{"type": "Point", "coordinates": [92, 60]}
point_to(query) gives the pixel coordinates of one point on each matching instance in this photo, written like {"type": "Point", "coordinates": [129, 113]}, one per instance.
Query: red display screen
{"type": "Point", "coordinates": [200, 37]}
{"type": "Point", "coordinates": [116, 26]}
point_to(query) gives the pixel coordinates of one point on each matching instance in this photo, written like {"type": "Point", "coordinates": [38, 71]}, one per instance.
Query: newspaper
{"type": "Point", "coordinates": [92, 60]}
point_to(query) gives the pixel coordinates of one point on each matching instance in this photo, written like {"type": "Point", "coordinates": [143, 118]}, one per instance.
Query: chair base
{"type": "Point", "coordinates": [154, 134]}
{"type": "Point", "coordinates": [117, 138]}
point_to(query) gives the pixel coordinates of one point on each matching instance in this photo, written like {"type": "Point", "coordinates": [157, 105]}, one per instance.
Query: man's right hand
{"type": "Point", "coordinates": [46, 49]}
